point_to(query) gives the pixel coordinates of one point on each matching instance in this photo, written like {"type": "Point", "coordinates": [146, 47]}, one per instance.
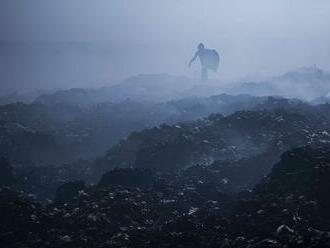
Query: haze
{"type": "Point", "coordinates": [80, 43]}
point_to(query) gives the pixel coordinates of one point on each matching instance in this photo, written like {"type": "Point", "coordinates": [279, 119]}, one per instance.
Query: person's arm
{"type": "Point", "coordinates": [193, 59]}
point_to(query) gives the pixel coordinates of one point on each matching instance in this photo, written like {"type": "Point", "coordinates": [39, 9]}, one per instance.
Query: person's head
{"type": "Point", "coordinates": [200, 46]}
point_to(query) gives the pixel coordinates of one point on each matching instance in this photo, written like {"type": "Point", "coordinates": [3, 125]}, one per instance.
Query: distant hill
{"type": "Point", "coordinates": [142, 88]}
{"type": "Point", "coordinates": [27, 97]}
{"type": "Point", "coordinates": [307, 83]}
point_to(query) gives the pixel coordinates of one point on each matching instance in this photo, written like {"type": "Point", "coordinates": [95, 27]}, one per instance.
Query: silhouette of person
{"type": "Point", "coordinates": [209, 59]}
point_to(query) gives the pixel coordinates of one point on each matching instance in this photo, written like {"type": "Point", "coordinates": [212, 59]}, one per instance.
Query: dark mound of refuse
{"type": "Point", "coordinates": [194, 207]}
{"type": "Point", "coordinates": [305, 173]}
{"type": "Point", "coordinates": [24, 223]}
{"type": "Point", "coordinates": [128, 177]}
{"type": "Point", "coordinates": [68, 191]}
{"type": "Point", "coordinates": [243, 134]}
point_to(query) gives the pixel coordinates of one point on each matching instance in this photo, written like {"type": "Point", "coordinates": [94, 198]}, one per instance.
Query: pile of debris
{"type": "Point", "coordinates": [191, 208]}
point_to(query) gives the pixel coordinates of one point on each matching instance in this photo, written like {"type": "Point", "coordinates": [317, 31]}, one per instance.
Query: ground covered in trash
{"type": "Point", "coordinates": [195, 207]}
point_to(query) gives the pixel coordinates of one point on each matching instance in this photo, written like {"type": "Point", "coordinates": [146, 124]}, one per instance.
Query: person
{"type": "Point", "coordinates": [209, 59]}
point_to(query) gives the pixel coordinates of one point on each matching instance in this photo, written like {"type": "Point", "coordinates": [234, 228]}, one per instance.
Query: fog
{"type": "Point", "coordinates": [80, 43]}
{"type": "Point", "coordinates": [111, 137]}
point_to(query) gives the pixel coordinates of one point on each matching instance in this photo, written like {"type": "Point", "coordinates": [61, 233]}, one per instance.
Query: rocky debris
{"type": "Point", "coordinates": [283, 231]}
{"type": "Point", "coordinates": [186, 185]}
{"type": "Point", "coordinates": [68, 191]}
{"type": "Point", "coordinates": [24, 222]}
{"type": "Point", "coordinates": [185, 209]}
{"type": "Point", "coordinates": [241, 135]}
{"type": "Point", "coordinates": [128, 177]}
{"type": "Point", "coordinates": [42, 181]}
{"type": "Point", "coordinates": [243, 140]}
{"type": "Point", "coordinates": [7, 174]}
{"type": "Point", "coordinates": [63, 127]}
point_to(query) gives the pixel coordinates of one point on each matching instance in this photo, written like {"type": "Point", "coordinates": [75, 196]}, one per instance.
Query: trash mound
{"type": "Point", "coordinates": [23, 222]}
{"type": "Point", "coordinates": [194, 207]}
{"type": "Point", "coordinates": [243, 134]}
{"type": "Point", "coordinates": [289, 208]}
{"type": "Point", "coordinates": [304, 173]}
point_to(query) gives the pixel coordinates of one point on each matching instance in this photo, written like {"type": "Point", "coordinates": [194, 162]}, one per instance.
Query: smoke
{"type": "Point", "coordinates": [83, 43]}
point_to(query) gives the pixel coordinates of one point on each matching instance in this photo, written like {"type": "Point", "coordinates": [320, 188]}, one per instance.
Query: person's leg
{"type": "Point", "coordinates": [204, 75]}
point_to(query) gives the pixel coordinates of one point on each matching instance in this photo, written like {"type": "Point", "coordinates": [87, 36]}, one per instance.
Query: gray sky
{"type": "Point", "coordinates": [256, 39]}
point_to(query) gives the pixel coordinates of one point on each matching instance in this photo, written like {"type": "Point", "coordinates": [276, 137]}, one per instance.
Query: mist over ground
{"type": "Point", "coordinates": [65, 44]}
{"type": "Point", "coordinates": [108, 139]}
